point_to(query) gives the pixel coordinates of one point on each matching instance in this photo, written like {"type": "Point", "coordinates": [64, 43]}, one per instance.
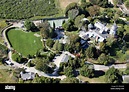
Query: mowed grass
{"type": "Point", "coordinates": [24, 43]}
{"type": "Point", "coordinates": [100, 79]}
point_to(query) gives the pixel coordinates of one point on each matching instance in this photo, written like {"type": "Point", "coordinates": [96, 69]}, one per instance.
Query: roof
{"type": "Point", "coordinates": [8, 62]}
{"type": "Point", "coordinates": [114, 27]}
{"type": "Point", "coordinates": [65, 58]}
{"type": "Point", "coordinates": [125, 78]}
{"type": "Point", "coordinates": [27, 75]}
{"type": "Point", "coordinates": [99, 25]}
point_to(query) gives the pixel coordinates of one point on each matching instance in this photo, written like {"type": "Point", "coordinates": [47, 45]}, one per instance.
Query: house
{"type": "Point", "coordinates": [98, 31]}
{"type": "Point", "coordinates": [62, 58]}
{"type": "Point", "coordinates": [101, 27]}
{"type": "Point", "coordinates": [27, 75]}
{"type": "Point", "coordinates": [125, 78]}
{"type": "Point", "coordinates": [113, 29]}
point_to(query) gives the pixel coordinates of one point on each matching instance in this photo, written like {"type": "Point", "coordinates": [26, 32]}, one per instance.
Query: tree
{"type": "Point", "coordinates": [70, 6]}
{"type": "Point", "coordinates": [54, 25]}
{"type": "Point", "coordinates": [78, 21]}
{"type": "Point", "coordinates": [87, 71]}
{"type": "Point", "coordinates": [127, 71]}
{"type": "Point", "coordinates": [102, 3]}
{"type": "Point", "coordinates": [69, 72]}
{"type": "Point", "coordinates": [43, 79]}
{"type": "Point", "coordinates": [55, 46]}
{"type": "Point", "coordinates": [83, 1]}
{"type": "Point", "coordinates": [29, 25]}
{"type": "Point", "coordinates": [127, 4]}
{"type": "Point", "coordinates": [70, 80]}
{"type": "Point", "coordinates": [43, 66]}
{"type": "Point", "coordinates": [120, 32]}
{"type": "Point", "coordinates": [69, 25]}
{"type": "Point", "coordinates": [90, 52]}
{"type": "Point", "coordinates": [45, 30]}
{"type": "Point", "coordinates": [94, 10]}
{"type": "Point", "coordinates": [60, 46]}
{"type": "Point", "coordinates": [73, 13]}
{"type": "Point", "coordinates": [113, 75]}
{"type": "Point", "coordinates": [50, 43]}
{"type": "Point", "coordinates": [104, 59]}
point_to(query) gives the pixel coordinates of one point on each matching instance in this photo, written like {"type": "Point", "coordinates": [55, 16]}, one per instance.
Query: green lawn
{"type": "Point", "coordinates": [24, 43]}
{"type": "Point", "coordinates": [100, 79]}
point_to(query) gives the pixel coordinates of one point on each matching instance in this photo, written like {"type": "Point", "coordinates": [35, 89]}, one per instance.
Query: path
{"type": "Point", "coordinates": [103, 67]}
{"type": "Point", "coordinates": [31, 69]}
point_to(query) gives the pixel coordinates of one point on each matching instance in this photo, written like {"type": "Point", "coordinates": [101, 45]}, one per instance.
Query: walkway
{"type": "Point", "coordinates": [17, 65]}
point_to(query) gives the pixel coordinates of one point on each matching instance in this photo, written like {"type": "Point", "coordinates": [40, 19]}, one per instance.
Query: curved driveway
{"type": "Point", "coordinates": [31, 69]}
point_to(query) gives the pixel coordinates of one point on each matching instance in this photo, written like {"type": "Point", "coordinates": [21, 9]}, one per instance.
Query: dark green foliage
{"type": "Point", "coordinates": [69, 25]}
{"type": "Point", "coordinates": [70, 80]}
{"type": "Point", "coordinates": [113, 76]}
{"type": "Point", "coordinates": [69, 72]}
{"type": "Point", "coordinates": [78, 21]}
{"type": "Point", "coordinates": [70, 6]}
{"type": "Point", "coordinates": [42, 65]}
{"type": "Point", "coordinates": [73, 13]}
{"type": "Point", "coordinates": [50, 43]}
{"type": "Point", "coordinates": [3, 52]}
{"type": "Point", "coordinates": [58, 46]}
{"type": "Point", "coordinates": [43, 79]}
{"type": "Point", "coordinates": [94, 10]}
{"type": "Point", "coordinates": [103, 59]}
{"type": "Point", "coordinates": [91, 52]}
{"type": "Point", "coordinates": [127, 71]}
{"type": "Point", "coordinates": [87, 71]}
{"type": "Point", "coordinates": [29, 25]}
{"type": "Point", "coordinates": [23, 9]}
{"type": "Point", "coordinates": [102, 3]}
{"type": "Point", "coordinates": [46, 31]}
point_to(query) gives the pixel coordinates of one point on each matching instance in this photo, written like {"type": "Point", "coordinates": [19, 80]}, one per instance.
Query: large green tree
{"type": "Point", "coordinates": [70, 6]}
{"type": "Point", "coordinates": [94, 10]}
{"type": "Point", "coordinates": [78, 21]}
{"type": "Point", "coordinates": [113, 76]}
{"type": "Point", "coordinates": [87, 71]}
{"type": "Point", "coordinates": [69, 72]}
{"type": "Point", "coordinates": [50, 43]}
{"type": "Point", "coordinates": [103, 59]}
{"type": "Point", "coordinates": [90, 52]}
{"type": "Point", "coordinates": [29, 25]}
{"type": "Point", "coordinates": [45, 30]}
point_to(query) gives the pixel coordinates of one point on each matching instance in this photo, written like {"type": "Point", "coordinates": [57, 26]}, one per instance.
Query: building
{"type": "Point", "coordinates": [62, 58]}
{"type": "Point", "coordinates": [27, 75]}
{"type": "Point", "coordinates": [98, 31]}
{"type": "Point", "coordinates": [113, 29]}
{"type": "Point", "coordinates": [125, 78]}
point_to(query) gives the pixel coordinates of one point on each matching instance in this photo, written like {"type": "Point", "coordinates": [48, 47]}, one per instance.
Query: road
{"type": "Point", "coordinates": [17, 65]}
{"type": "Point", "coordinates": [32, 69]}
{"type": "Point", "coordinates": [103, 67]}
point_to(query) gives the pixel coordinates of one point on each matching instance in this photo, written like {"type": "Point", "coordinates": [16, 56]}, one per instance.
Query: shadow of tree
{"type": "Point", "coordinates": [98, 73]}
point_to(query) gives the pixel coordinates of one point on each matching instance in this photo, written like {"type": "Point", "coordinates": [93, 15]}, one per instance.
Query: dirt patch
{"type": "Point", "coordinates": [64, 3]}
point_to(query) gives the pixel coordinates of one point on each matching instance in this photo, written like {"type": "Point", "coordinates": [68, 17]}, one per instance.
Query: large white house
{"type": "Point", "coordinates": [99, 33]}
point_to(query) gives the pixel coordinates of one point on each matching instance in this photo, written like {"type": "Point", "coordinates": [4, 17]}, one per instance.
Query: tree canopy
{"type": "Point", "coordinates": [113, 76]}
{"type": "Point", "coordinates": [87, 71]}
